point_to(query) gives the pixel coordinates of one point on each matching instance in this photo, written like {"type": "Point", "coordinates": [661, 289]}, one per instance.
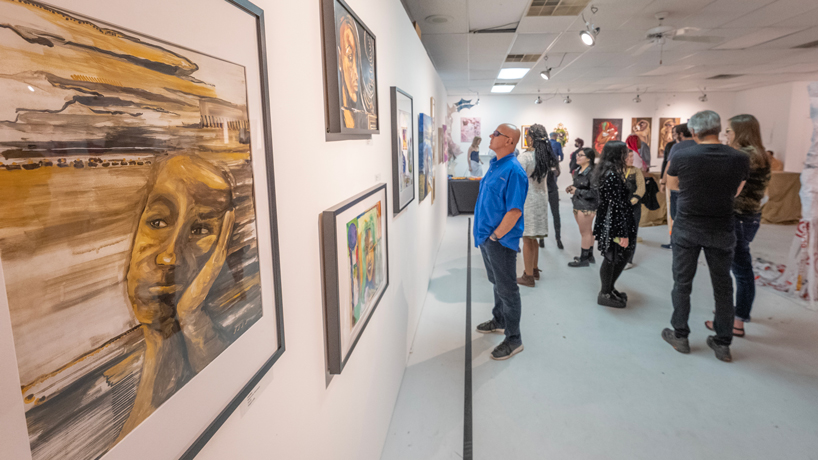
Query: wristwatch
{"type": "Point", "coordinates": [493, 237]}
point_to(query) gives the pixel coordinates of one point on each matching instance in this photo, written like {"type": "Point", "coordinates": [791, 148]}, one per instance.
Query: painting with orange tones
{"type": "Point", "coordinates": [128, 227]}
{"type": "Point", "coordinates": [666, 126]}
{"type": "Point", "coordinates": [606, 129]}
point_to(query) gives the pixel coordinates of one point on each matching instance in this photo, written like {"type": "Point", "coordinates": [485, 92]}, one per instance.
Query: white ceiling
{"type": "Point", "coordinates": [755, 39]}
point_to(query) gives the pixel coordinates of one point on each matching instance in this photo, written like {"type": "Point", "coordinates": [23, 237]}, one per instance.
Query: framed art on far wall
{"type": "Point", "coordinates": [403, 149]}
{"type": "Point", "coordinates": [354, 253]}
{"type": "Point", "coordinates": [143, 209]}
{"type": "Point", "coordinates": [604, 130]}
{"type": "Point", "coordinates": [524, 137]}
{"type": "Point", "coordinates": [426, 166]}
{"type": "Point", "coordinates": [642, 127]}
{"type": "Point", "coordinates": [666, 126]}
{"type": "Point", "coordinates": [351, 67]}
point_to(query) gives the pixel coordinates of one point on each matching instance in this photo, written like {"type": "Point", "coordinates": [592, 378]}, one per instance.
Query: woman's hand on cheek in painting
{"type": "Point", "coordinates": [193, 297]}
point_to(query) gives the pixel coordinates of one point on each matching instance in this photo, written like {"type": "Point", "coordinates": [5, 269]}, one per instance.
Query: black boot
{"type": "Point", "coordinates": [581, 261]}
{"type": "Point", "coordinates": [591, 255]}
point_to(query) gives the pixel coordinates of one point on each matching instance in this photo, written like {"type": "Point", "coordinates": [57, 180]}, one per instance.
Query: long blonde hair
{"type": "Point", "coordinates": [475, 142]}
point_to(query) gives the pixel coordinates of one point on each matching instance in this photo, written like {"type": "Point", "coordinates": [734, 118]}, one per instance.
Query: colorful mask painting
{"type": "Point", "coordinates": [605, 130]}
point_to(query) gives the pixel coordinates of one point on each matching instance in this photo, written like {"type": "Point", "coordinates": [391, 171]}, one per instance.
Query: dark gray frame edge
{"type": "Point", "coordinates": [214, 426]}
{"type": "Point", "coordinates": [393, 96]}
{"type": "Point", "coordinates": [335, 361]}
{"type": "Point", "coordinates": [332, 106]}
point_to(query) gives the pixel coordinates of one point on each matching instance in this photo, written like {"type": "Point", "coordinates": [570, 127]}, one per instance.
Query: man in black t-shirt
{"type": "Point", "coordinates": [708, 176]}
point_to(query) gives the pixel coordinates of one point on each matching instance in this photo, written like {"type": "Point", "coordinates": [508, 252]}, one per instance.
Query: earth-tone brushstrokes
{"type": "Point", "coordinates": [127, 221]}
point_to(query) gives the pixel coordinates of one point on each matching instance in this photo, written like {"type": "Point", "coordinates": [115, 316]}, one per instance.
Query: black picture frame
{"type": "Point", "coordinates": [332, 80]}
{"type": "Point", "coordinates": [335, 356]}
{"type": "Point", "coordinates": [207, 434]}
{"type": "Point", "coordinates": [396, 92]}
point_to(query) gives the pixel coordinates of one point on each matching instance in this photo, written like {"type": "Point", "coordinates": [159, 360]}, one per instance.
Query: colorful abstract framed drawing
{"type": "Point", "coordinates": [605, 130]}
{"type": "Point", "coordinates": [140, 287]}
{"type": "Point", "coordinates": [354, 248]}
{"type": "Point", "coordinates": [426, 166]}
{"type": "Point", "coordinates": [403, 149]}
{"type": "Point", "coordinates": [469, 128]}
{"type": "Point", "coordinates": [351, 66]}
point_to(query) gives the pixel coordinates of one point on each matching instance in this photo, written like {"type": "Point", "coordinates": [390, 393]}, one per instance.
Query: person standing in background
{"type": "Point", "coordinates": [614, 230]}
{"type": "Point", "coordinates": [635, 181]}
{"type": "Point", "coordinates": [553, 189]}
{"type": "Point", "coordinates": [498, 227]}
{"type": "Point", "coordinates": [585, 201]}
{"type": "Point", "coordinates": [685, 141]}
{"type": "Point", "coordinates": [556, 146]}
{"type": "Point", "coordinates": [475, 163]}
{"type": "Point", "coordinates": [744, 134]}
{"type": "Point", "coordinates": [775, 163]}
{"type": "Point", "coordinates": [535, 161]}
{"type": "Point", "coordinates": [708, 176]}
{"type": "Point", "coordinates": [572, 165]}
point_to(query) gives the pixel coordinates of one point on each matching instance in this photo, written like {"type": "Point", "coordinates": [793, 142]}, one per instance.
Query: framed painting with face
{"type": "Point", "coordinates": [356, 270]}
{"type": "Point", "coordinates": [666, 126]}
{"type": "Point", "coordinates": [524, 136]}
{"type": "Point", "coordinates": [351, 71]}
{"type": "Point", "coordinates": [642, 127]}
{"type": "Point", "coordinates": [403, 149]}
{"type": "Point", "coordinates": [139, 273]}
{"type": "Point", "coordinates": [605, 130]}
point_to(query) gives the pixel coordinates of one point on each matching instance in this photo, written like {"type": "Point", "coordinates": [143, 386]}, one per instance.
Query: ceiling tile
{"type": "Point", "coordinates": [774, 12]}
{"type": "Point", "coordinates": [532, 43]}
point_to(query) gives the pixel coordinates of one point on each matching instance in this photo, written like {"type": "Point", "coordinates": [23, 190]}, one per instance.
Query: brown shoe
{"type": "Point", "coordinates": [526, 280]}
{"type": "Point", "coordinates": [537, 274]}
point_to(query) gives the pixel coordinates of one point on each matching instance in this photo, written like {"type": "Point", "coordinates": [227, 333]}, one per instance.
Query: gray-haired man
{"type": "Point", "coordinates": [708, 176]}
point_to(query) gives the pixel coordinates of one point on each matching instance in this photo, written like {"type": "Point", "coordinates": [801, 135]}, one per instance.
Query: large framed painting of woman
{"type": "Point", "coordinates": [139, 267]}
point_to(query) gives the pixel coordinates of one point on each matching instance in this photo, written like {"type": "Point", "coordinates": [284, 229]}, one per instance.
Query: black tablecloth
{"type": "Point", "coordinates": [462, 196]}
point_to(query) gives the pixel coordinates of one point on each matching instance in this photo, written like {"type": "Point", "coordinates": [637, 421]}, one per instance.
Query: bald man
{"type": "Point", "coordinates": [498, 227]}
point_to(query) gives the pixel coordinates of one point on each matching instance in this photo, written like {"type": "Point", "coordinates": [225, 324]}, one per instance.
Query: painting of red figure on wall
{"type": "Point", "coordinates": [605, 130]}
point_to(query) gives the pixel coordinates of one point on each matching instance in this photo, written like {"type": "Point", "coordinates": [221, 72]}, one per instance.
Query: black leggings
{"type": "Point", "coordinates": [613, 264]}
{"type": "Point", "coordinates": [554, 202]}
{"type": "Point", "coordinates": [637, 216]}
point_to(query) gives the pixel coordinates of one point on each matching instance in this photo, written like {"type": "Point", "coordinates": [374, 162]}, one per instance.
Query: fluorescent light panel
{"type": "Point", "coordinates": [512, 73]}
{"type": "Point", "coordinates": [502, 88]}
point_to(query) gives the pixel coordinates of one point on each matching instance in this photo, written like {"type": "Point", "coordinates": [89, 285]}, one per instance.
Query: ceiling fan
{"type": "Point", "coordinates": [661, 34]}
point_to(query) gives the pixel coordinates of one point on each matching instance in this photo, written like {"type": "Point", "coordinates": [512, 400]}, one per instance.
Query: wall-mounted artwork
{"type": "Point", "coordinates": [351, 71]}
{"type": "Point", "coordinates": [356, 270]}
{"type": "Point", "coordinates": [666, 126]}
{"type": "Point", "coordinates": [403, 148]}
{"type": "Point", "coordinates": [604, 130]}
{"type": "Point", "coordinates": [524, 137]}
{"type": "Point", "coordinates": [469, 127]}
{"type": "Point", "coordinates": [562, 134]}
{"type": "Point", "coordinates": [444, 140]}
{"type": "Point", "coordinates": [426, 167]}
{"type": "Point", "coordinates": [642, 128]}
{"type": "Point", "coordinates": [135, 175]}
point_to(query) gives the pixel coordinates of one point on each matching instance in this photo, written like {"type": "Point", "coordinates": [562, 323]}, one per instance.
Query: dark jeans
{"type": "Point", "coordinates": [501, 266]}
{"type": "Point", "coordinates": [746, 228]}
{"type": "Point", "coordinates": [637, 216]}
{"type": "Point", "coordinates": [674, 197]}
{"type": "Point", "coordinates": [554, 202]}
{"type": "Point", "coordinates": [718, 251]}
{"type": "Point", "coordinates": [613, 264]}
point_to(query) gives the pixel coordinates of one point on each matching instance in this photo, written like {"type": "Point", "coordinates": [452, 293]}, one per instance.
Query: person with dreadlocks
{"type": "Point", "coordinates": [535, 162]}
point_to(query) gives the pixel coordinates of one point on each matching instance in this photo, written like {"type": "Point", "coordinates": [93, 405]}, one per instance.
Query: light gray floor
{"type": "Point", "coordinates": [598, 383]}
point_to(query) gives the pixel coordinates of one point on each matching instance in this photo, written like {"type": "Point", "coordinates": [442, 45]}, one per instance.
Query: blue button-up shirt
{"type": "Point", "coordinates": [503, 188]}
{"type": "Point", "coordinates": [557, 148]}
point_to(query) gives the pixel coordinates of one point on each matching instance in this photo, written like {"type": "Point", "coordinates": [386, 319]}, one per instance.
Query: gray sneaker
{"type": "Point", "coordinates": [505, 350]}
{"type": "Point", "coordinates": [722, 351]}
{"type": "Point", "coordinates": [490, 326]}
{"type": "Point", "coordinates": [679, 343]}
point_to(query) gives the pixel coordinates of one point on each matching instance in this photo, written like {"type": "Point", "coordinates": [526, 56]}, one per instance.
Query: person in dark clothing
{"type": "Point", "coordinates": [572, 164]}
{"type": "Point", "coordinates": [744, 134]}
{"type": "Point", "coordinates": [585, 201]}
{"type": "Point", "coordinates": [685, 140]}
{"type": "Point", "coordinates": [556, 146]}
{"type": "Point", "coordinates": [708, 176]}
{"type": "Point", "coordinates": [635, 181]}
{"type": "Point", "coordinates": [614, 230]}
{"type": "Point", "coordinates": [666, 152]}
{"type": "Point", "coordinates": [553, 190]}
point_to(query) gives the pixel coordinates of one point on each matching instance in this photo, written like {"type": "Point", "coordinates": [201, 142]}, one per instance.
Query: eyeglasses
{"type": "Point", "coordinates": [498, 133]}
{"type": "Point", "coordinates": [581, 155]}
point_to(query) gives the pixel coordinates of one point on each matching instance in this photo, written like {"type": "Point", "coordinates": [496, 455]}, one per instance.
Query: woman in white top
{"type": "Point", "coordinates": [536, 162]}
{"type": "Point", "coordinates": [474, 158]}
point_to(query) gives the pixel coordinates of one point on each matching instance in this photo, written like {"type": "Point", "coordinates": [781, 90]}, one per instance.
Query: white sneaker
{"type": "Point", "coordinates": [628, 267]}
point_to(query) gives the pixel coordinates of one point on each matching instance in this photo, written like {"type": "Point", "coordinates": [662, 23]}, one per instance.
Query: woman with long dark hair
{"type": "Point", "coordinates": [585, 201]}
{"type": "Point", "coordinates": [744, 134]}
{"type": "Point", "coordinates": [536, 162]}
{"type": "Point", "coordinates": [635, 181]}
{"type": "Point", "coordinates": [614, 229]}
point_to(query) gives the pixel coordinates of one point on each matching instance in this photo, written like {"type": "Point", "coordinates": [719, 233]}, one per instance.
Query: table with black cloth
{"type": "Point", "coordinates": [463, 196]}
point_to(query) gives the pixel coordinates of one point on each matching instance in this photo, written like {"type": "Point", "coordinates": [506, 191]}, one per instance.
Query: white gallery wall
{"type": "Point", "coordinates": [297, 415]}
{"type": "Point", "coordinates": [782, 110]}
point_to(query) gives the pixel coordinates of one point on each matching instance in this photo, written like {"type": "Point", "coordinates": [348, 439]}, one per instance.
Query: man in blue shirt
{"type": "Point", "coordinates": [556, 146]}
{"type": "Point", "coordinates": [498, 227]}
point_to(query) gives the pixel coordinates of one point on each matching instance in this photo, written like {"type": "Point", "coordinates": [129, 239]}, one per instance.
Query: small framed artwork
{"type": "Point", "coordinates": [426, 167]}
{"type": "Point", "coordinates": [356, 270]}
{"type": "Point", "coordinates": [351, 71]}
{"type": "Point", "coordinates": [524, 139]}
{"type": "Point", "coordinates": [403, 149]}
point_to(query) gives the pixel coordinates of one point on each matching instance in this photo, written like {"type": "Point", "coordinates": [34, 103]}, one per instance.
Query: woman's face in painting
{"type": "Point", "coordinates": [349, 60]}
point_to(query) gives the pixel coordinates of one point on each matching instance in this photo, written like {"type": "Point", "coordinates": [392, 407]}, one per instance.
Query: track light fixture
{"type": "Point", "coordinates": [637, 99]}
{"type": "Point", "coordinates": [546, 74]}
{"type": "Point", "coordinates": [538, 100]}
{"type": "Point", "coordinates": [703, 97]}
{"type": "Point", "coordinates": [567, 100]}
{"type": "Point", "coordinates": [588, 35]}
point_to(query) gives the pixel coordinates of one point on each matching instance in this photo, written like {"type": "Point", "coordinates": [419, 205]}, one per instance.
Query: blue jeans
{"type": "Point", "coordinates": [718, 251]}
{"type": "Point", "coordinates": [501, 266]}
{"type": "Point", "coordinates": [746, 228]}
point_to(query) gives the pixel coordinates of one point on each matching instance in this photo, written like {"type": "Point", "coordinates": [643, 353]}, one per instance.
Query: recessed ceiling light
{"type": "Point", "coordinates": [438, 19]}
{"type": "Point", "coordinates": [512, 73]}
{"type": "Point", "coordinates": [502, 88]}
